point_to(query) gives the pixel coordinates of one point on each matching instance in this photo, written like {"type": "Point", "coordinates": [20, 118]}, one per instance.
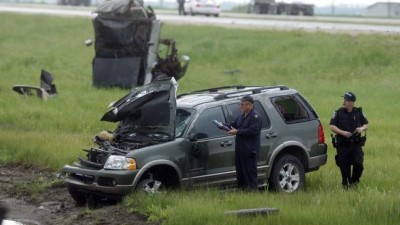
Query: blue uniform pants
{"type": "Point", "coordinates": [246, 169]}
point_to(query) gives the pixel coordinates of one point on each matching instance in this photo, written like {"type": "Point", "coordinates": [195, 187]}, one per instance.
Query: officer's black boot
{"type": "Point", "coordinates": [345, 170]}
{"type": "Point", "coordinates": [346, 183]}
{"type": "Point", "coordinates": [357, 172]}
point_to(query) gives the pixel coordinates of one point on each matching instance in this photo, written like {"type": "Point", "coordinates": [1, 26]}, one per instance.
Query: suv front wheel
{"type": "Point", "coordinates": [151, 186]}
{"type": "Point", "coordinates": [287, 174]}
{"type": "Point", "coordinates": [79, 197]}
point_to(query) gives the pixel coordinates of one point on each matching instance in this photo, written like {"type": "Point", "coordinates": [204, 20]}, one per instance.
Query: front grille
{"type": "Point", "coordinates": [90, 163]}
{"type": "Point", "coordinates": [106, 181]}
{"type": "Point", "coordinates": [87, 179]}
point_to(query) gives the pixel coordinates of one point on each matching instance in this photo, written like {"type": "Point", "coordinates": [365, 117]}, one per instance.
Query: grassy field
{"type": "Point", "coordinates": [321, 66]}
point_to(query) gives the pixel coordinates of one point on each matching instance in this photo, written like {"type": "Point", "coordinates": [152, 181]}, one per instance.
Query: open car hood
{"type": "Point", "coordinates": [149, 108]}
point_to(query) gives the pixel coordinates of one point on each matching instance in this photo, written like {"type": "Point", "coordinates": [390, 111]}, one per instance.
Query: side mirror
{"type": "Point", "coordinates": [192, 137]}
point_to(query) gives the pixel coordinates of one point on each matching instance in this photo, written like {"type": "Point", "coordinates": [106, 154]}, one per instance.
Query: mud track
{"type": "Point", "coordinates": [54, 205]}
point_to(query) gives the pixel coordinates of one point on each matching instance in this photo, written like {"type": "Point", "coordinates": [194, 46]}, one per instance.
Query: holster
{"type": "Point", "coordinates": [362, 140]}
{"type": "Point", "coordinates": [334, 140]}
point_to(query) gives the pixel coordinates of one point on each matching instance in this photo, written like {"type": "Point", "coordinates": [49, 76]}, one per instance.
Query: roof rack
{"type": "Point", "coordinates": [255, 90]}
{"type": "Point", "coordinates": [212, 90]}
{"type": "Point", "coordinates": [239, 89]}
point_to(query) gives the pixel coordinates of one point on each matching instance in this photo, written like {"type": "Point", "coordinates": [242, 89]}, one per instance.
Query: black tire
{"type": "Point", "coordinates": [78, 196]}
{"type": "Point", "coordinates": [287, 174]}
{"type": "Point", "coordinates": [151, 186]}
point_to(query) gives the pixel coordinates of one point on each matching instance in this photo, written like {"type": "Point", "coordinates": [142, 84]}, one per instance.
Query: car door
{"type": "Point", "coordinates": [212, 159]}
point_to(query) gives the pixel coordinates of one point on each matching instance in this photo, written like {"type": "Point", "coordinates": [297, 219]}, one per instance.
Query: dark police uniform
{"type": "Point", "coordinates": [247, 148]}
{"type": "Point", "coordinates": [349, 150]}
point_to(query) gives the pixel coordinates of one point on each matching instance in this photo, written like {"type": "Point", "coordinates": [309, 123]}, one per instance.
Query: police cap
{"type": "Point", "coordinates": [247, 98]}
{"type": "Point", "coordinates": [349, 96]}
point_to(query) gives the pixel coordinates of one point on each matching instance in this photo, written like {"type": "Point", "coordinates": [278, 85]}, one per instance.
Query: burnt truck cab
{"type": "Point", "coordinates": [129, 50]}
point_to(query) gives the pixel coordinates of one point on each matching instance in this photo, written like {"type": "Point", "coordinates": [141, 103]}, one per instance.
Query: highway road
{"type": "Point", "coordinates": [325, 24]}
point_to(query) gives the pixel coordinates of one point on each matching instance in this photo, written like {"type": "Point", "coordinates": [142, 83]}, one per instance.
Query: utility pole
{"type": "Point", "coordinates": [389, 5]}
{"type": "Point", "coordinates": [333, 7]}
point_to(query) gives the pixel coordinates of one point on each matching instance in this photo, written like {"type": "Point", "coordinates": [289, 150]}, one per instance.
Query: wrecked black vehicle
{"type": "Point", "coordinates": [128, 49]}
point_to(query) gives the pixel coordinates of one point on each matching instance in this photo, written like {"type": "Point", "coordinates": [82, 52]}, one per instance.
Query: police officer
{"type": "Point", "coordinates": [348, 122]}
{"type": "Point", "coordinates": [247, 128]}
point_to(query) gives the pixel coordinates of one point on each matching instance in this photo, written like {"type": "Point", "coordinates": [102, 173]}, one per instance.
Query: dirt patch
{"type": "Point", "coordinates": [54, 205]}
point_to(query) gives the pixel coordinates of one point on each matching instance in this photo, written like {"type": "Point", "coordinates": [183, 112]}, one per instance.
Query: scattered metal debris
{"type": "Point", "coordinates": [46, 90]}
{"type": "Point", "coordinates": [256, 211]}
{"type": "Point", "coordinates": [231, 72]}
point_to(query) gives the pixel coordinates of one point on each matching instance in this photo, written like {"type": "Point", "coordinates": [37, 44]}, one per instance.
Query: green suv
{"type": "Point", "coordinates": [166, 141]}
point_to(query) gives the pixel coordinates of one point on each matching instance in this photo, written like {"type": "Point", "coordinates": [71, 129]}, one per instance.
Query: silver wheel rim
{"type": "Point", "coordinates": [152, 187]}
{"type": "Point", "coordinates": [289, 178]}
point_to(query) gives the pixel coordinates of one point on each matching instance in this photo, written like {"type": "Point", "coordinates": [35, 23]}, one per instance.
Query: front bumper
{"type": "Point", "coordinates": [113, 182]}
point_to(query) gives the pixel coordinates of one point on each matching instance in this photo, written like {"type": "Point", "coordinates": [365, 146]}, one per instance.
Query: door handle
{"type": "Point", "coordinates": [271, 135]}
{"type": "Point", "coordinates": [225, 143]}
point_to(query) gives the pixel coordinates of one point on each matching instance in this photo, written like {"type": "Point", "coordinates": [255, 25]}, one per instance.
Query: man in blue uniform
{"type": "Point", "coordinates": [348, 122]}
{"type": "Point", "coordinates": [247, 128]}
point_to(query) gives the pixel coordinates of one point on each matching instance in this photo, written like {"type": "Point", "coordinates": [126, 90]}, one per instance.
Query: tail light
{"type": "Point", "coordinates": [321, 135]}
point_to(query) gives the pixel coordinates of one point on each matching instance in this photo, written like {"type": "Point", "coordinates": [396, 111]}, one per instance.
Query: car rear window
{"type": "Point", "coordinates": [290, 109]}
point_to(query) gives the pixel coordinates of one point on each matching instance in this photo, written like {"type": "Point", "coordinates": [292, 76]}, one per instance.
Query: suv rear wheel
{"type": "Point", "coordinates": [287, 174]}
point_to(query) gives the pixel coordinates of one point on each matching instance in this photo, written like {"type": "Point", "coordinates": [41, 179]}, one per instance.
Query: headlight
{"type": "Point", "coordinates": [118, 162]}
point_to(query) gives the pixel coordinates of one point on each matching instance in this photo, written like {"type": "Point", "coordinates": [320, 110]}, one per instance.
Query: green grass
{"type": "Point", "coordinates": [321, 66]}
{"type": "Point", "coordinates": [367, 205]}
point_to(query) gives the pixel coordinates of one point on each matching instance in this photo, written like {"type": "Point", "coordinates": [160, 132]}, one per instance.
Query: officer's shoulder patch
{"type": "Point", "coordinates": [334, 114]}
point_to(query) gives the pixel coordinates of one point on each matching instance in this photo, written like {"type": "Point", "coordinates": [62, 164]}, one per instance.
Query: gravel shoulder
{"type": "Point", "coordinates": [54, 205]}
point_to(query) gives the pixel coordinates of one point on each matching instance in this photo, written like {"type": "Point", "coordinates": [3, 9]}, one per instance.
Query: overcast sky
{"type": "Point", "coordinates": [338, 2]}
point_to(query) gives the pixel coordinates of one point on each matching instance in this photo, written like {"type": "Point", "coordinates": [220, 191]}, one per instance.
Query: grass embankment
{"type": "Point", "coordinates": [321, 66]}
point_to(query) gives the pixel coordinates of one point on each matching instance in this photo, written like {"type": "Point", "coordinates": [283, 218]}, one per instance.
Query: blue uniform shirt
{"type": "Point", "coordinates": [248, 135]}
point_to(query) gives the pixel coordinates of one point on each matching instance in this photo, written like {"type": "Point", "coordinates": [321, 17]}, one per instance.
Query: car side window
{"type": "Point", "coordinates": [235, 109]}
{"type": "Point", "coordinates": [205, 128]}
{"type": "Point", "coordinates": [290, 109]}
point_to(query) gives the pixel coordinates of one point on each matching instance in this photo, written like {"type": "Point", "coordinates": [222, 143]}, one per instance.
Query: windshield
{"type": "Point", "coordinates": [183, 117]}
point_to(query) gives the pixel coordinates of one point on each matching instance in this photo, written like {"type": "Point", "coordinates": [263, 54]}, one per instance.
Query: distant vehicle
{"type": "Point", "coordinates": [74, 2]}
{"type": "Point", "coordinates": [204, 7]}
{"type": "Point", "coordinates": [280, 8]}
